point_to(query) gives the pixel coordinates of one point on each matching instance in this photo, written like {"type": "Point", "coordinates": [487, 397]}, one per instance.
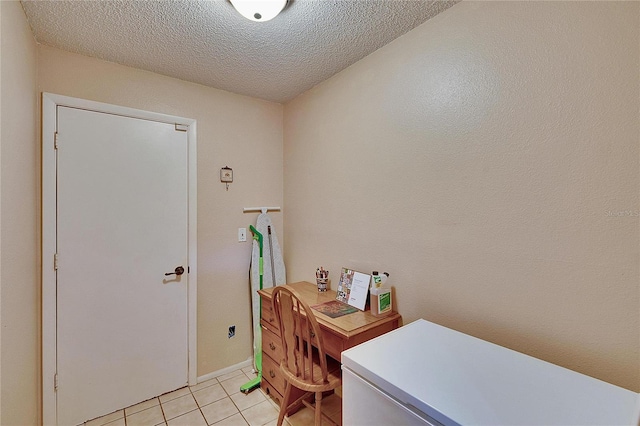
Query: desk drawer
{"type": "Point", "coordinates": [271, 344]}
{"type": "Point", "coordinates": [268, 316]}
{"type": "Point", "coordinates": [333, 344]}
{"type": "Point", "coordinates": [271, 372]}
{"type": "Point", "coordinates": [273, 384]}
{"type": "Point", "coordinates": [268, 388]}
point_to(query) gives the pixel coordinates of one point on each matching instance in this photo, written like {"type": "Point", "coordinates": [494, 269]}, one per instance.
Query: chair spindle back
{"type": "Point", "coordinates": [300, 332]}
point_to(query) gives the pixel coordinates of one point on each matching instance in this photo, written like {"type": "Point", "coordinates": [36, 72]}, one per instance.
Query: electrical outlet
{"type": "Point", "coordinates": [242, 234]}
{"type": "Point", "coordinates": [232, 331]}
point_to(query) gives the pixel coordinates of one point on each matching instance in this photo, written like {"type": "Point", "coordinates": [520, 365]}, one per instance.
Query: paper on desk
{"type": "Point", "coordinates": [359, 290]}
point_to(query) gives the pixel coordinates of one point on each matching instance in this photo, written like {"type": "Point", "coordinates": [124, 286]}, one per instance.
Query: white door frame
{"type": "Point", "coordinates": [50, 102]}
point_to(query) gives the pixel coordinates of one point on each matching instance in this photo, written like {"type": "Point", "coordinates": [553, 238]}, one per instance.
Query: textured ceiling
{"type": "Point", "coordinates": [208, 42]}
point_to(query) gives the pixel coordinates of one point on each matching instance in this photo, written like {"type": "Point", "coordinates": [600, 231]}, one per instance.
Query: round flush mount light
{"type": "Point", "coordinates": [259, 10]}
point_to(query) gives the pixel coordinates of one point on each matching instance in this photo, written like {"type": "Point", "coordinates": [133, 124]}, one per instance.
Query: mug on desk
{"type": "Point", "coordinates": [322, 279]}
{"type": "Point", "coordinates": [322, 284]}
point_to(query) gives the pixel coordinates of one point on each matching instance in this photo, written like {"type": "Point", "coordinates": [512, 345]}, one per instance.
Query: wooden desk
{"type": "Point", "coordinates": [338, 335]}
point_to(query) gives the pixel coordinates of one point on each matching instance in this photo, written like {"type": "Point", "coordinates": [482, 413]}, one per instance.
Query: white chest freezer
{"type": "Point", "coordinates": [424, 373]}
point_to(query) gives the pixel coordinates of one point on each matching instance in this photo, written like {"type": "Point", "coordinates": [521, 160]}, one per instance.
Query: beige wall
{"type": "Point", "coordinates": [19, 228]}
{"type": "Point", "coordinates": [481, 159]}
{"type": "Point", "coordinates": [236, 131]}
{"type": "Point", "coordinates": [477, 159]}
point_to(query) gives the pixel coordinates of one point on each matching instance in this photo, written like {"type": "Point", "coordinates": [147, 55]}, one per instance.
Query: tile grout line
{"type": "Point", "coordinates": [198, 404]}
{"type": "Point", "coordinates": [166, 422]}
{"type": "Point", "coordinates": [231, 399]}
{"type": "Point", "coordinates": [234, 403]}
{"type": "Point", "coordinates": [239, 410]}
{"type": "Point", "coordinates": [199, 407]}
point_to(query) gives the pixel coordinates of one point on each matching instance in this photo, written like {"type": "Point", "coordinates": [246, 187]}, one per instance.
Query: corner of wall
{"type": "Point", "coordinates": [20, 392]}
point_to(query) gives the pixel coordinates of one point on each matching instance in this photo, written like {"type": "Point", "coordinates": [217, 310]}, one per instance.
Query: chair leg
{"type": "Point", "coordinates": [284, 404]}
{"type": "Point", "coordinates": [318, 418]}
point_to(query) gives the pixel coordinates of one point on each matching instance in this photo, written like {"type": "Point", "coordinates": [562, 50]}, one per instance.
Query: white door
{"type": "Point", "coordinates": [122, 201]}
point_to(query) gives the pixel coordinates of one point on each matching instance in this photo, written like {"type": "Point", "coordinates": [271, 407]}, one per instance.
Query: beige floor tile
{"type": "Point", "coordinates": [260, 414]}
{"type": "Point", "coordinates": [204, 384]}
{"type": "Point", "coordinates": [249, 372]}
{"type": "Point", "coordinates": [209, 394]}
{"type": "Point", "coordinates": [303, 417]}
{"type": "Point", "coordinates": [141, 406]}
{"type": "Point", "coordinates": [149, 417]}
{"type": "Point", "coordinates": [275, 423]}
{"type": "Point", "coordinates": [233, 384]}
{"type": "Point", "coordinates": [271, 400]}
{"type": "Point", "coordinates": [179, 406]}
{"type": "Point", "coordinates": [100, 421]}
{"type": "Point", "coordinates": [244, 401]}
{"type": "Point", "coordinates": [117, 422]}
{"type": "Point", "coordinates": [336, 417]}
{"type": "Point", "coordinates": [306, 417]}
{"type": "Point", "coordinates": [219, 410]}
{"type": "Point", "coordinates": [175, 394]}
{"type": "Point", "coordinates": [229, 375]}
{"type": "Point", "coordinates": [235, 420]}
{"type": "Point", "coordinates": [284, 423]}
{"type": "Point", "coordinates": [331, 405]}
{"type": "Point", "coordinates": [192, 418]}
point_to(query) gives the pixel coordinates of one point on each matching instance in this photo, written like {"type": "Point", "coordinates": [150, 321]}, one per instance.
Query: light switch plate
{"type": "Point", "coordinates": [242, 234]}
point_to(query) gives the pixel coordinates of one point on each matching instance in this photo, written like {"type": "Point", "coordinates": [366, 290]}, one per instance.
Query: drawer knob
{"type": "Point", "coordinates": [272, 374]}
{"type": "Point", "coordinates": [272, 346]}
{"type": "Point", "coordinates": [313, 335]}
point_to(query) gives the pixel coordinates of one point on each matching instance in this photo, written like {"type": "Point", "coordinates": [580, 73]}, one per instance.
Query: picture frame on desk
{"type": "Point", "coordinates": [353, 288]}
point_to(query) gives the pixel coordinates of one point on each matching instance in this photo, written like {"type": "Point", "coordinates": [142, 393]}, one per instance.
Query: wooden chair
{"type": "Point", "coordinates": [304, 364]}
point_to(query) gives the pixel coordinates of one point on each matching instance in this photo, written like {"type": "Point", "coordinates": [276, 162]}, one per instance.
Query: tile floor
{"type": "Point", "coordinates": [215, 402]}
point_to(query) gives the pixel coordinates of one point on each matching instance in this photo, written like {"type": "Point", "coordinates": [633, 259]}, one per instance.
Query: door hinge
{"type": "Point", "coordinates": [55, 382]}
{"type": "Point", "coordinates": [181, 127]}
{"type": "Point", "coordinates": [55, 140]}
{"type": "Point", "coordinates": [55, 261]}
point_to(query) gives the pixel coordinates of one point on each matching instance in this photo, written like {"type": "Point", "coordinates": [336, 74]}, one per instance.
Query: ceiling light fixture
{"type": "Point", "coordinates": [259, 10]}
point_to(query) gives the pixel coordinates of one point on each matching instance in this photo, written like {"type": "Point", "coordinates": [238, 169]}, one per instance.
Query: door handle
{"type": "Point", "coordinates": [178, 271]}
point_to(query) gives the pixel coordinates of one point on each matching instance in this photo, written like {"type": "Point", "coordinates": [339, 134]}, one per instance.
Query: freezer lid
{"type": "Point", "coordinates": [459, 379]}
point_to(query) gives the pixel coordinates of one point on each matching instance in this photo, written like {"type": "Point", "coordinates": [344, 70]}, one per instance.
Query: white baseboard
{"type": "Point", "coordinates": [213, 374]}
